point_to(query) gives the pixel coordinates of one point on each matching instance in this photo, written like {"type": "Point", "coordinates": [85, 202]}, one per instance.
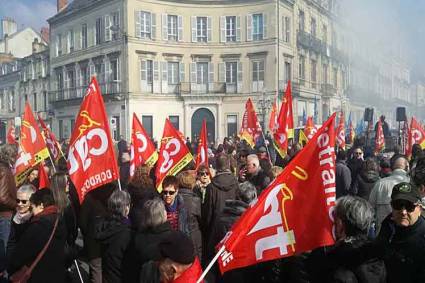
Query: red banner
{"type": "Point", "coordinates": [44, 181]}
{"type": "Point", "coordinates": [173, 154]}
{"type": "Point", "coordinates": [51, 142]}
{"type": "Point", "coordinates": [294, 214]}
{"type": "Point", "coordinates": [250, 129]}
{"type": "Point", "coordinates": [11, 136]}
{"type": "Point", "coordinates": [310, 130]}
{"type": "Point", "coordinates": [340, 132]}
{"type": "Point", "coordinates": [273, 117]}
{"type": "Point", "coordinates": [202, 156]}
{"type": "Point", "coordinates": [142, 148]}
{"type": "Point", "coordinates": [379, 138]}
{"type": "Point", "coordinates": [416, 135]}
{"type": "Point", "coordinates": [91, 157]}
{"type": "Point", "coordinates": [285, 127]}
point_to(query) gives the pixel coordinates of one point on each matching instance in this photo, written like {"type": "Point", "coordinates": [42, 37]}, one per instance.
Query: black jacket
{"type": "Point", "coordinates": [192, 203]}
{"type": "Point", "coordinates": [260, 180]}
{"type": "Point", "coordinates": [51, 267]}
{"type": "Point", "coordinates": [139, 196]}
{"type": "Point", "coordinates": [233, 209]}
{"type": "Point", "coordinates": [364, 183]}
{"type": "Point", "coordinates": [403, 249]}
{"type": "Point", "coordinates": [114, 236]}
{"type": "Point", "coordinates": [342, 179]}
{"type": "Point", "coordinates": [222, 187]}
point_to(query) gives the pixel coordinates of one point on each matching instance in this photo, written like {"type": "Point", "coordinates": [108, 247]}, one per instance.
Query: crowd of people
{"type": "Point", "coordinates": [140, 235]}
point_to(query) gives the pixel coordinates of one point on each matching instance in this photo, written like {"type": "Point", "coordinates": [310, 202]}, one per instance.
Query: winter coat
{"type": "Point", "coordinates": [222, 187]}
{"type": "Point", "coordinates": [260, 180]}
{"type": "Point", "coordinates": [355, 166]}
{"type": "Point", "coordinates": [51, 267]}
{"type": "Point", "coordinates": [342, 179]}
{"type": "Point", "coordinates": [380, 196]}
{"type": "Point", "coordinates": [232, 210]}
{"type": "Point", "coordinates": [183, 216]}
{"type": "Point", "coordinates": [346, 261]}
{"type": "Point", "coordinates": [7, 191]}
{"type": "Point", "coordinates": [364, 183]}
{"type": "Point", "coordinates": [139, 196]}
{"type": "Point", "coordinates": [192, 203]}
{"type": "Point", "coordinates": [403, 250]}
{"type": "Point", "coordinates": [114, 236]}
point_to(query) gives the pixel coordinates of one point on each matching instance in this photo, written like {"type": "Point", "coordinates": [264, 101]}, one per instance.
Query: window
{"type": "Point", "coordinates": [257, 27]}
{"type": "Point", "coordinates": [115, 127]}
{"type": "Point", "coordinates": [34, 100]}
{"type": "Point", "coordinates": [230, 28]}
{"type": "Point", "coordinates": [174, 120]}
{"type": "Point", "coordinates": [12, 100]}
{"type": "Point", "coordinates": [84, 77]}
{"type": "Point", "coordinates": [45, 101]}
{"type": "Point", "coordinates": [84, 36]}
{"type": "Point", "coordinates": [70, 41]}
{"type": "Point", "coordinates": [72, 124]}
{"type": "Point", "coordinates": [313, 27]}
{"type": "Point", "coordinates": [313, 73]}
{"type": "Point", "coordinates": [116, 25]}
{"type": "Point", "coordinates": [201, 29]}
{"type": "Point", "coordinates": [232, 125]}
{"type": "Point", "coordinates": [59, 45]}
{"type": "Point", "coordinates": [60, 129]}
{"type": "Point", "coordinates": [325, 34]}
{"type": "Point", "coordinates": [98, 34]}
{"type": "Point", "coordinates": [301, 20]}
{"type": "Point", "coordinates": [301, 68]}
{"type": "Point", "coordinates": [71, 78]}
{"type": "Point", "coordinates": [115, 69]}
{"type": "Point", "coordinates": [325, 73]}
{"type": "Point", "coordinates": [147, 122]}
{"type": "Point", "coordinates": [172, 27]}
{"type": "Point", "coordinates": [149, 71]}
{"type": "Point", "coordinates": [202, 73]}
{"type": "Point", "coordinates": [287, 29]}
{"type": "Point", "coordinates": [2, 100]}
{"type": "Point", "coordinates": [231, 72]}
{"type": "Point", "coordinates": [335, 73]}
{"type": "Point", "coordinates": [146, 25]}
{"type": "Point", "coordinates": [173, 73]}
{"type": "Point", "coordinates": [258, 70]}
{"type": "Point", "coordinates": [287, 71]}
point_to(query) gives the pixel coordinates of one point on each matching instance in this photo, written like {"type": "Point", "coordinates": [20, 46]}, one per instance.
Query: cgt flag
{"type": "Point", "coordinates": [340, 132]}
{"type": "Point", "coordinates": [273, 117]}
{"type": "Point", "coordinates": [44, 181]}
{"type": "Point", "coordinates": [250, 129]}
{"type": "Point", "coordinates": [142, 148]}
{"type": "Point", "coordinates": [276, 226]}
{"type": "Point", "coordinates": [173, 154]}
{"type": "Point", "coordinates": [50, 139]}
{"type": "Point", "coordinates": [91, 157]}
{"type": "Point", "coordinates": [309, 129]}
{"type": "Point", "coordinates": [416, 135]}
{"type": "Point", "coordinates": [202, 156]}
{"type": "Point", "coordinates": [379, 138]}
{"type": "Point", "coordinates": [285, 124]}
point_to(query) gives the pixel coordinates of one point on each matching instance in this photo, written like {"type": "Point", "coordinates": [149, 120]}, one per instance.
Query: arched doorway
{"type": "Point", "coordinates": [196, 124]}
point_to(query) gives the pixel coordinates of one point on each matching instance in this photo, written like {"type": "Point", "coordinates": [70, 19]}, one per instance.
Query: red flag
{"type": "Point", "coordinates": [44, 181]}
{"type": "Point", "coordinates": [273, 117]}
{"type": "Point", "coordinates": [379, 138]}
{"type": "Point", "coordinates": [191, 274]}
{"type": "Point", "coordinates": [309, 129]}
{"type": "Point", "coordinates": [142, 148]}
{"type": "Point", "coordinates": [50, 139]}
{"type": "Point", "coordinates": [202, 156]}
{"type": "Point", "coordinates": [285, 127]}
{"type": "Point", "coordinates": [33, 149]}
{"type": "Point", "coordinates": [173, 154]}
{"type": "Point", "coordinates": [91, 157]}
{"type": "Point", "coordinates": [276, 225]}
{"type": "Point", "coordinates": [340, 132]}
{"type": "Point", "coordinates": [11, 136]}
{"type": "Point", "coordinates": [416, 135]}
{"type": "Point", "coordinates": [250, 129]}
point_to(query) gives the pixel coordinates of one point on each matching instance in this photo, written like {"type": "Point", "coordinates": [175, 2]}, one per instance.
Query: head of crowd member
{"type": "Point", "coordinates": [187, 179]}
{"type": "Point", "coordinates": [178, 254]}
{"type": "Point", "coordinates": [170, 189]}
{"type": "Point", "coordinates": [141, 178]}
{"type": "Point", "coordinates": [222, 163]}
{"type": "Point", "coordinates": [247, 193]}
{"type": "Point", "coordinates": [341, 155]}
{"type": "Point", "coordinates": [243, 154]}
{"type": "Point", "coordinates": [60, 187]}
{"type": "Point", "coordinates": [406, 204]}
{"type": "Point", "coordinates": [32, 177]}
{"type": "Point", "coordinates": [153, 214]}
{"type": "Point", "coordinates": [276, 170]}
{"type": "Point", "coordinates": [203, 174]}
{"type": "Point", "coordinates": [353, 217]}
{"type": "Point", "coordinates": [385, 168]}
{"type": "Point", "coordinates": [41, 200]}
{"type": "Point", "coordinates": [417, 151]}
{"type": "Point", "coordinates": [400, 162]}
{"type": "Point", "coordinates": [8, 154]}
{"type": "Point", "coordinates": [382, 118]}
{"type": "Point", "coordinates": [119, 204]}
{"type": "Point", "coordinates": [253, 164]}
{"type": "Point", "coordinates": [358, 153]}
{"type": "Point", "coordinates": [262, 152]}
{"type": "Point", "coordinates": [23, 198]}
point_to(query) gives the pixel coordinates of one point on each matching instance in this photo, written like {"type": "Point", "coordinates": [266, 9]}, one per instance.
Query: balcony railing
{"type": "Point", "coordinates": [309, 41]}
{"type": "Point", "coordinates": [328, 90]}
{"type": "Point", "coordinates": [109, 88]}
{"type": "Point", "coordinates": [187, 88]}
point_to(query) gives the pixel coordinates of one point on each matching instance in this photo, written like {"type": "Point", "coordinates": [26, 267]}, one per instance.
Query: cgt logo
{"type": "Point", "coordinates": [172, 148]}
{"type": "Point", "coordinates": [90, 142]}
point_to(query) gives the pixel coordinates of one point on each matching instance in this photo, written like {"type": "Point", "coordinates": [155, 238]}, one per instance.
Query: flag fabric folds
{"type": "Point", "coordinates": [309, 129]}
{"type": "Point", "coordinates": [285, 127]}
{"type": "Point", "coordinates": [44, 181]}
{"type": "Point", "coordinates": [51, 142]}
{"type": "Point", "coordinates": [91, 157]}
{"type": "Point", "coordinates": [379, 138]}
{"type": "Point", "coordinates": [202, 155]}
{"type": "Point", "coordinates": [273, 117]}
{"type": "Point", "coordinates": [250, 129]}
{"type": "Point", "coordinates": [173, 154]}
{"type": "Point", "coordinates": [416, 135]}
{"type": "Point", "coordinates": [351, 132]}
{"type": "Point", "coordinates": [11, 135]}
{"type": "Point", "coordinates": [340, 132]}
{"type": "Point", "coordinates": [142, 148]}
{"type": "Point", "coordinates": [275, 226]}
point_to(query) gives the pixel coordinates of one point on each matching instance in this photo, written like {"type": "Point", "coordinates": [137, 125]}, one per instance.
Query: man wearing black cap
{"type": "Point", "coordinates": [402, 236]}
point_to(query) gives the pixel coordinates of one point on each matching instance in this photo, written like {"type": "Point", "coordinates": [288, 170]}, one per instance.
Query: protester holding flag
{"type": "Point", "coordinates": [255, 174]}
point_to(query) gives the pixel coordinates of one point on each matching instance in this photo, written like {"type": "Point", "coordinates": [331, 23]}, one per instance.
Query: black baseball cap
{"type": "Point", "coordinates": [406, 191]}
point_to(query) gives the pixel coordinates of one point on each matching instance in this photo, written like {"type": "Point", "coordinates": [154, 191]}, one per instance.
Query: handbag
{"type": "Point", "coordinates": [24, 273]}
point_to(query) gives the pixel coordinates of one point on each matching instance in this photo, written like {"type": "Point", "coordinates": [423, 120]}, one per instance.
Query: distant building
{"type": "Point", "coordinates": [19, 44]}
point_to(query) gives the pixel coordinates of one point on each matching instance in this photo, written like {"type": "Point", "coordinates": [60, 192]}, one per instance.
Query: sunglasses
{"type": "Point", "coordinates": [168, 193]}
{"type": "Point", "coordinates": [202, 174]}
{"type": "Point", "coordinates": [400, 205]}
{"type": "Point", "coordinates": [358, 153]}
{"type": "Point", "coordinates": [23, 201]}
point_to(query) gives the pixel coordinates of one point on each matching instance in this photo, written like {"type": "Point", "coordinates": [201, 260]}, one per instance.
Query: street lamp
{"type": "Point", "coordinates": [264, 104]}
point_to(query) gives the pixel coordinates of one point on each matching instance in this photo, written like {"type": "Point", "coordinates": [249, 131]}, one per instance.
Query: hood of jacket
{"type": "Point", "coordinates": [107, 228]}
{"type": "Point", "coordinates": [369, 176]}
{"type": "Point", "coordinates": [225, 181]}
{"type": "Point", "coordinates": [235, 207]}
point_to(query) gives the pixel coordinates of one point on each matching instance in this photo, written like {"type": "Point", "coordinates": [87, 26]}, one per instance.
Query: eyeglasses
{"type": "Point", "coordinates": [23, 201]}
{"type": "Point", "coordinates": [202, 174]}
{"type": "Point", "coordinates": [358, 153]}
{"type": "Point", "coordinates": [168, 193]}
{"type": "Point", "coordinates": [400, 205]}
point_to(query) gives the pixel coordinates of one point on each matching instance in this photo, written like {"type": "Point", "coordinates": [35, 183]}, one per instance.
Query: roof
{"type": "Point", "coordinates": [21, 31]}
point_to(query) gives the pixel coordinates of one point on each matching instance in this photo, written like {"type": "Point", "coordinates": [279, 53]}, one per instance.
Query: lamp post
{"type": "Point", "coordinates": [264, 104]}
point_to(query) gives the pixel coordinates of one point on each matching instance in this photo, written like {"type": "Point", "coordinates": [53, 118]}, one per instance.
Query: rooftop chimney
{"type": "Point", "coordinates": [61, 4]}
{"type": "Point", "coordinates": [45, 34]}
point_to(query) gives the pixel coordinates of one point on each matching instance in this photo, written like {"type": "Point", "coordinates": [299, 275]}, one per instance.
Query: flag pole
{"type": "Point", "coordinates": [210, 265]}
{"type": "Point", "coordinates": [78, 270]}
